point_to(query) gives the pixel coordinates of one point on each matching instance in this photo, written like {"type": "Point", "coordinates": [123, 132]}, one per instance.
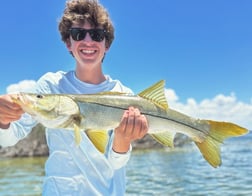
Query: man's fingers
{"type": "Point", "coordinates": [133, 125]}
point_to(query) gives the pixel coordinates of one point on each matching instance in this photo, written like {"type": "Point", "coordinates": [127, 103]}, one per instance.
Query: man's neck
{"type": "Point", "coordinates": [90, 76]}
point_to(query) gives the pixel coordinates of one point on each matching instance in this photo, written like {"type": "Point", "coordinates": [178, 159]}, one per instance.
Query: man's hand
{"type": "Point", "coordinates": [133, 126]}
{"type": "Point", "coordinates": [9, 111]}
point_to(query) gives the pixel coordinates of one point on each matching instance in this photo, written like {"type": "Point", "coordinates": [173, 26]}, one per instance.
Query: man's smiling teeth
{"type": "Point", "coordinates": [88, 51]}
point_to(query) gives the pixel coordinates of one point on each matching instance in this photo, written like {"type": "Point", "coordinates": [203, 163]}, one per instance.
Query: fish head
{"type": "Point", "coordinates": [52, 110]}
{"type": "Point", "coordinates": [37, 103]}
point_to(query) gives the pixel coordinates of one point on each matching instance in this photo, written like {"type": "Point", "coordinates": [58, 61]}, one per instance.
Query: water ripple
{"type": "Point", "coordinates": [185, 172]}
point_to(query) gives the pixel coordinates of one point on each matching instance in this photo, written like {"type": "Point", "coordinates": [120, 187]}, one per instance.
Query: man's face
{"type": "Point", "coordinates": [87, 52]}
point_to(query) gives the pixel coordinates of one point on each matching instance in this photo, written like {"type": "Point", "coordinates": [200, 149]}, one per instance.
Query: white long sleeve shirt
{"type": "Point", "coordinates": [74, 170]}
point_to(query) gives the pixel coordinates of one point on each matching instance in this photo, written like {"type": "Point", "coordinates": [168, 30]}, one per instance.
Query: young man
{"type": "Point", "coordinates": [88, 33]}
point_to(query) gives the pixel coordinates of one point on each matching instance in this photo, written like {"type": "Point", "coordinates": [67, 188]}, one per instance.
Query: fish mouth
{"type": "Point", "coordinates": [26, 102]}
{"type": "Point", "coordinates": [17, 98]}
{"type": "Point", "coordinates": [21, 99]}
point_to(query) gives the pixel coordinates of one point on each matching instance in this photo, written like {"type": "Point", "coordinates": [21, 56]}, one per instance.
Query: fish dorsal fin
{"type": "Point", "coordinates": [156, 94]}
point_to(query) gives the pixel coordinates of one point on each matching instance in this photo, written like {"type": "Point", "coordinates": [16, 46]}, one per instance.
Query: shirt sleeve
{"type": "Point", "coordinates": [117, 160]}
{"type": "Point", "coordinates": [17, 131]}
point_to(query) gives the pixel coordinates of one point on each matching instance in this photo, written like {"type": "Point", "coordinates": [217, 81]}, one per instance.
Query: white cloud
{"type": "Point", "coordinates": [22, 86]}
{"type": "Point", "coordinates": [219, 108]}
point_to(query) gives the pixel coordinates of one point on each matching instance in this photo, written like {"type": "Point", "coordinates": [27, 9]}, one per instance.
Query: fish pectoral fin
{"type": "Point", "coordinates": [156, 95]}
{"type": "Point", "coordinates": [99, 138]}
{"type": "Point", "coordinates": [210, 147]}
{"type": "Point", "coordinates": [165, 138]}
{"type": "Point", "coordinates": [77, 134]}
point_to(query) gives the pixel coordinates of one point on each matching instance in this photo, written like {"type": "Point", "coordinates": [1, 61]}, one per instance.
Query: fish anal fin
{"type": "Point", "coordinates": [77, 134]}
{"type": "Point", "coordinates": [99, 138]}
{"type": "Point", "coordinates": [156, 95]}
{"type": "Point", "coordinates": [165, 138]}
{"type": "Point", "coordinates": [219, 131]}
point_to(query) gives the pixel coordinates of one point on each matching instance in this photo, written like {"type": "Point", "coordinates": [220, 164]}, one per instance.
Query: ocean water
{"type": "Point", "coordinates": [181, 171]}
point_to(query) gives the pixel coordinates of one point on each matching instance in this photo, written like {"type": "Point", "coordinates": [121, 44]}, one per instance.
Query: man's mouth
{"type": "Point", "coordinates": [88, 51]}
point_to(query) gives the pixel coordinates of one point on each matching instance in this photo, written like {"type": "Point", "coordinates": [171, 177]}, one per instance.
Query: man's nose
{"type": "Point", "coordinates": [87, 37]}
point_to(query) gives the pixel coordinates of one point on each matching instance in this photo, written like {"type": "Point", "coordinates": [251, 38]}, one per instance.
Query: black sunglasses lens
{"type": "Point", "coordinates": [97, 34]}
{"type": "Point", "coordinates": [78, 34]}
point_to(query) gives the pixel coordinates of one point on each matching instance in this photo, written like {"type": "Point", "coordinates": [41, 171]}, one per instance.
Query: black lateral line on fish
{"type": "Point", "coordinates": [148, 114]}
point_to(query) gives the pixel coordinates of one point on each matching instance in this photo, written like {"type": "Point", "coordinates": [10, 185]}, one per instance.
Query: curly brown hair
{"type": "Point", "coordinates": [79, 11]}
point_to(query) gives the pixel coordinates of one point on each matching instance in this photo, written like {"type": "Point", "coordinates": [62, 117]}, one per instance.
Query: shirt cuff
{"type": "Point", "coordinates": [119, 160]}
{"type": "Point", "coordinates": [7, 137]}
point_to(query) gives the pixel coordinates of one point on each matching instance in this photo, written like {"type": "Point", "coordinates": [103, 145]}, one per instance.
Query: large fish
{"type": "Point", "coordinates": [97, 113]}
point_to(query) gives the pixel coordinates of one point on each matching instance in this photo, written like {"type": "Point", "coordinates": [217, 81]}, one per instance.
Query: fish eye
{"type": "Point", "coordinates": [39, 96]}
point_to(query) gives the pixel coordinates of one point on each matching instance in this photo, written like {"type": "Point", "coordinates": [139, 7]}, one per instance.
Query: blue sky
{"type": "Point", "coordinates": [202, 49]}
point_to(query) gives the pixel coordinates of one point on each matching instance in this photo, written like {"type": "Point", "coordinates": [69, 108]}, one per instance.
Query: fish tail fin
{"type": "Point", "coordinates": [219, 131]}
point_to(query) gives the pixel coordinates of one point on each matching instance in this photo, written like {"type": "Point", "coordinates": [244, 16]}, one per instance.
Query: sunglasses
{"type": "Point", "coordinates": [79, 34]}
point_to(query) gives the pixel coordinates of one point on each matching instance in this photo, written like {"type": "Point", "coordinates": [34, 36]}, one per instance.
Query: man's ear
{"type": "Point", "coordinates": [107, 48]}
{"type": "Point", "coordinates": [107, 45]}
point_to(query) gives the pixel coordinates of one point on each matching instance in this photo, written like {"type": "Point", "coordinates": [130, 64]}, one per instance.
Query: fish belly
{"type": "Point", "coordinates": [106, 117]}
{"type": "Point", "coordinates": [100, 117]}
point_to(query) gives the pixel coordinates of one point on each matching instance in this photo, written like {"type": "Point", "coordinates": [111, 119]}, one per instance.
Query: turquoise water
{"type": "Point", "coordinates": [21, 176]}
{"type": "Point", "coordinates": [184, 171]}
{"type": "Point", "coordinates": [181, 171]}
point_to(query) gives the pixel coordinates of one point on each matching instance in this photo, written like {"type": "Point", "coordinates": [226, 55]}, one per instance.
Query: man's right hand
{"type": "Point", "coordinates": [9, 111]}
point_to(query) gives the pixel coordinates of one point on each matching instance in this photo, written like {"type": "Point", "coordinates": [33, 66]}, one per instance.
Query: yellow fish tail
{"type": "Point", "coordinates": [219, 131]}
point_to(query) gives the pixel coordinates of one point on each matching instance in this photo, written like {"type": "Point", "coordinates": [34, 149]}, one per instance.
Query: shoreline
{"type": "Point", "coordinates": [34, 145]}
